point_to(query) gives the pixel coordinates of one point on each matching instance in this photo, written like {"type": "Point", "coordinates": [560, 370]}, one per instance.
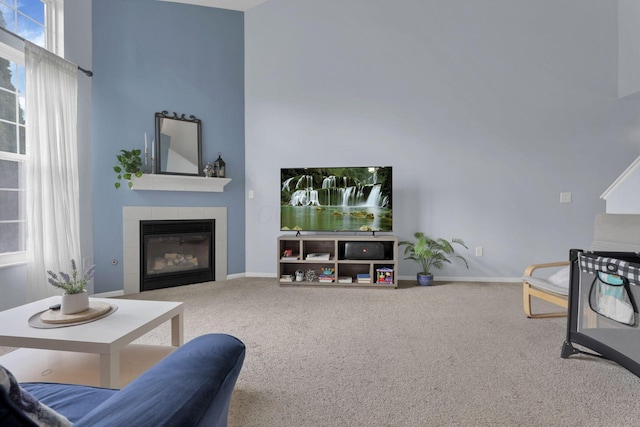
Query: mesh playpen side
{"type": "Point", "coordinates": [603, 316]}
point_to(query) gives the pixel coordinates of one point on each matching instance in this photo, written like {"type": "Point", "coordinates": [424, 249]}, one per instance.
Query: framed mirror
{"type": "Point", "coordinates": [178, 144]}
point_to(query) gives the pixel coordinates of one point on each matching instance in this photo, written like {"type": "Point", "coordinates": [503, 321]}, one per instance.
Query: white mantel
{"type": "Point", "coordinates": [163, 182]}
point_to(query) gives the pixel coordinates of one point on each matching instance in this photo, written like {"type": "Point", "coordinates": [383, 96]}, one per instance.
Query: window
{"type": "Point", "coordinates": [33, 20]}
{"type": "Point", "coordinates": [24, 18]}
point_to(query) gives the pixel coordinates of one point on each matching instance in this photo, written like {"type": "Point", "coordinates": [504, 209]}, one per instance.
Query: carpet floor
{"type": "Point", "coordinates": [453, 354]}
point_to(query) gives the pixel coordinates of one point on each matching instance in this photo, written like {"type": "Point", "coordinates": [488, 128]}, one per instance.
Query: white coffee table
{"type": "Point", "coordinates": [106, 337]}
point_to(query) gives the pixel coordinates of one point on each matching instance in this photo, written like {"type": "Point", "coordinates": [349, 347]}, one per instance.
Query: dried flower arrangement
{"type": "Point", "coordinates": [73, 283]}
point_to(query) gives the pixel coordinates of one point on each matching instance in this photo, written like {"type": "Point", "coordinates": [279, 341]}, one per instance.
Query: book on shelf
{"type": "Point", "coordinates": [290, 258]}
{"type": "Point", "coordinates": [318, 256]}
{"type": "Point", "coordinates": [345, 279]}
{"type": "Point", "coordinates": [363, 278]}
{"type": "Point", "coordinates": [326, 278]}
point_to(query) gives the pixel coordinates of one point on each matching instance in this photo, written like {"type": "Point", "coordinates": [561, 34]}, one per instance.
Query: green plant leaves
{"type": "Point", "coordinates": [429, 253]}
{"type": "Point", "coordinates": [130, 166]}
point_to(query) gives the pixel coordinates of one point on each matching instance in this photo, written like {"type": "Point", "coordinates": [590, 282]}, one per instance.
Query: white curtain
{"type": "Point", "coordinates": [53, 223]}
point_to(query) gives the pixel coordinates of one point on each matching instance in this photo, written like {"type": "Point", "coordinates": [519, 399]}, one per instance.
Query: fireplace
{"type": "Point", "coordinates": [176, 252]}
{"type": "Point", "coordinates": [131, 245]}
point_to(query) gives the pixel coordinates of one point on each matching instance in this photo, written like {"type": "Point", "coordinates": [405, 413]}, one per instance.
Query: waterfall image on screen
{"type": "Point", "coordinates": [336, 199]}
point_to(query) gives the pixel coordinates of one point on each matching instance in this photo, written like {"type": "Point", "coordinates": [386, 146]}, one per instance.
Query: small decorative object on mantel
{"type": "Point", "coordinates": [219, 167]}
{"type": "Point", "coordinates": [75, 298]}
{"type": "Point", "coordinates": [149, 166]}
{"type": "Point", "coordinates": [146, 154]}
{"type": "Point", "coordinates": [208, 171]}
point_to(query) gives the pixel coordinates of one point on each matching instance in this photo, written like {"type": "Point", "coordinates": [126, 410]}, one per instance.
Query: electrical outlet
{"type": "Point", "coordinates": [251, 194]}
{"type": "Point", "coordinates": [478, 250]}
{"type": "Point", "coordinates": [565, 197]}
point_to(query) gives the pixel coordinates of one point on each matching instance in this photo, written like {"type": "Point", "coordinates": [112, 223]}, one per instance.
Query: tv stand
{"type": "Point", "coordinates": [317, 254]}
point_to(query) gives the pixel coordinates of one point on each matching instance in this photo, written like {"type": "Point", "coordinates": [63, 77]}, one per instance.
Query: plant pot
{"type": "Point", "coordinates": [74, 303]}
{"type": "Point", "coordinates": [425, 279]}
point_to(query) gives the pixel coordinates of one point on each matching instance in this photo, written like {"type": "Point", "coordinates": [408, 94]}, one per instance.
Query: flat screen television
{"type": "Point", "coordinates": [357, 198]}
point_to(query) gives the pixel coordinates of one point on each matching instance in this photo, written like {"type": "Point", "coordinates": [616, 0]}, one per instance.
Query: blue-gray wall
{"type": "Point", "coordinates": [150, 56]}
{"type": "Point", "coordinates": [487, 109]}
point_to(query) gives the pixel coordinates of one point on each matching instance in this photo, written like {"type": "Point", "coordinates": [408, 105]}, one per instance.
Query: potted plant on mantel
{"type": "Point", "coordinates": [75, 298]}
{"type": "Point", "coordinates": [430, 253]}
{"type": "Point", "coordinates": [130, 165]}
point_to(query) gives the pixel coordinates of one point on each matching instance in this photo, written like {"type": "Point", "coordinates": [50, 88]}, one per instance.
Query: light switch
{"type": "Point", "coordinates": [565, 197]}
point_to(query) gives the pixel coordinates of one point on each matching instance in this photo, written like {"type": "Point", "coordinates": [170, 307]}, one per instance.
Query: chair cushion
{"type": "Point", "coordinates": [561, 277]}
{"type": "Point", "coordinates": [18, 407]}
{"type": "Point", "coordinates": [545, 285]}
{"type": "Point", "coordinates": [72, 400]}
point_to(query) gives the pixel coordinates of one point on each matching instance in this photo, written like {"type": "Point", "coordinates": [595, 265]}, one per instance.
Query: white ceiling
{"type": "Point", "coordinates": [242, 5]}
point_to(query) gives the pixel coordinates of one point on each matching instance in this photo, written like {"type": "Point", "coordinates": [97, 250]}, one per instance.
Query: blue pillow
{"type": "Point", "coordinates": [19, 407]}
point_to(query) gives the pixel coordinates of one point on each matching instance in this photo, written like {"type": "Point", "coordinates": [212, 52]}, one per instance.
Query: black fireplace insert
{"type": "Point", "coordinates": [176, 252]}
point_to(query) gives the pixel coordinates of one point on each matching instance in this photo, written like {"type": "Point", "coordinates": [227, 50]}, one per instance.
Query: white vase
{"type": "Point", "coordinates": [74, 303]}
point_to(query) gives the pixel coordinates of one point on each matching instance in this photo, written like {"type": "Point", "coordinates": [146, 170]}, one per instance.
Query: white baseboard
{"type": "Point", "coordinates": [436, 278]}
{"type": "Point", "coordinates": [469, 279]}
{"type": "Point", "coordinates": [109, 294]}
{"type": "Point", "coordinates": [260, 275]}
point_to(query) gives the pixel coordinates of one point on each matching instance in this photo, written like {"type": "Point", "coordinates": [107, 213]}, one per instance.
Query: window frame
{"type": "Point", "coordinates": [54, 26]}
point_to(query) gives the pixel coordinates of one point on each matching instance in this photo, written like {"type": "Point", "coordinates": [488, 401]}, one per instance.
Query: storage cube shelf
{"type": "Point", "coordinates": [321, 253]}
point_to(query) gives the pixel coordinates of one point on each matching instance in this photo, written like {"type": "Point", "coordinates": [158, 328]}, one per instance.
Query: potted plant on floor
{"type": "Point", "coordinates": [75, 298]}
{"type": "Point", "coordinates": [431, 253]}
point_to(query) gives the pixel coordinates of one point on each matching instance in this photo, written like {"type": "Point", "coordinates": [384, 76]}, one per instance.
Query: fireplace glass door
{"type": "Point", "coordinates": [176, 252]}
